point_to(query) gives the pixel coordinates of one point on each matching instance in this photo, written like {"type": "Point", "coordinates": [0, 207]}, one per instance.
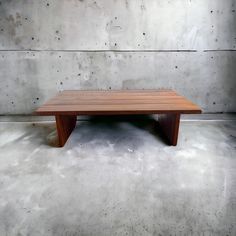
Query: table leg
{"type": "Point", "coordinates": [65, 125]}
{"type": "Point", "coordinates": [169, 124]}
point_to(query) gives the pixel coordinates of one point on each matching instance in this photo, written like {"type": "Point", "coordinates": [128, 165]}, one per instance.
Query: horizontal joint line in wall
{"type": "Point", "coordinates": [125, 51]}
{"type": "Point", "coordinates": [220, 50]}
{"type": "Point", "coordinates": [47, 50]}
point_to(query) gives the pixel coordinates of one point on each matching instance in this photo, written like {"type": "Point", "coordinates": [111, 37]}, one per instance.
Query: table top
{"type": "Point", "coordinates": [117, 102]}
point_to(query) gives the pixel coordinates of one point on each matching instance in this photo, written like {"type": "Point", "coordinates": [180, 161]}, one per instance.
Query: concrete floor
{"type": "Point", "coordinates": [118, 178]}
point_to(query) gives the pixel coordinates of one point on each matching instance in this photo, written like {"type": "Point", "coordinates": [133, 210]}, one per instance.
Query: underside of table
{"type": "Point", "coordinates": [166, 103]}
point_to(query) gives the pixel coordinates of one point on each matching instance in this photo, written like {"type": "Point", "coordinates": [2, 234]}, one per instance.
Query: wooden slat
{"type": "Point", "coordinates": [117, 102]}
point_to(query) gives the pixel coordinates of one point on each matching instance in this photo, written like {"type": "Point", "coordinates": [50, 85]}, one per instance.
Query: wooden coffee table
{"type": "Point", "coordinates": [169, 105]}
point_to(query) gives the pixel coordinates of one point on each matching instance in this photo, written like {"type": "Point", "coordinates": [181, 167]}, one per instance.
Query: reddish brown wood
{"type": "Point", "coordinates": [68, 104]}
{"type": "Point", "coordinates": [65, 126]}
{"type": "Point", "coordinates": [169, 124]}
{"type": "Point", "coordinates": [118, 103]}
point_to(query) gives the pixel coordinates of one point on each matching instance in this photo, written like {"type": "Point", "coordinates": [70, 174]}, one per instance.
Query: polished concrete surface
{"type": "Point", "coordinates": [118, 178]}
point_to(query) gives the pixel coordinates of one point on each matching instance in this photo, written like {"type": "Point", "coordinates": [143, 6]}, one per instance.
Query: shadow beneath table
{"type": "Point", "coordinates": [103, 124]}
{"type": "Point", "coordinates": [147, 123]}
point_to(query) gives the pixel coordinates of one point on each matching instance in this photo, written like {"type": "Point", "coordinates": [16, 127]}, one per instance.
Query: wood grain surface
{"type": "Point", "coordinates": [79, 102]}
{"type": "Point", "coordinates": [65, 126]}
{"type": "Point", "coordinates": [169, 124]}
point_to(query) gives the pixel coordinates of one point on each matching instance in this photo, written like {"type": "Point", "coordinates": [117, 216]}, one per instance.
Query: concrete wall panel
{"type": "Point", "coordinates": [30, 78]}
{"type": "Point", "coordinates": [118, 24]}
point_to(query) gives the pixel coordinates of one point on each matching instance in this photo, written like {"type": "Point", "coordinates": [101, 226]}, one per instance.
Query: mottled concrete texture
{"type": "Point", "coordinates": [47, 46]}
{"type": "Point", "coordinates": [118, 178]}
{"type": "Point", "coordinates": [117, 24]}
{"type": "Point", "coordinates": [208, 79]}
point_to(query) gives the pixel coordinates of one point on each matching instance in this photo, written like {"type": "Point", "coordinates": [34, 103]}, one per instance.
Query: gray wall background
{"type": "Point", "coordinates": [48, 46]}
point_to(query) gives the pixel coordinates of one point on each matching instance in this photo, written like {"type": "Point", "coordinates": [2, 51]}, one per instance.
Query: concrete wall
{"type": "Point", "coordinates": [48, 46]}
